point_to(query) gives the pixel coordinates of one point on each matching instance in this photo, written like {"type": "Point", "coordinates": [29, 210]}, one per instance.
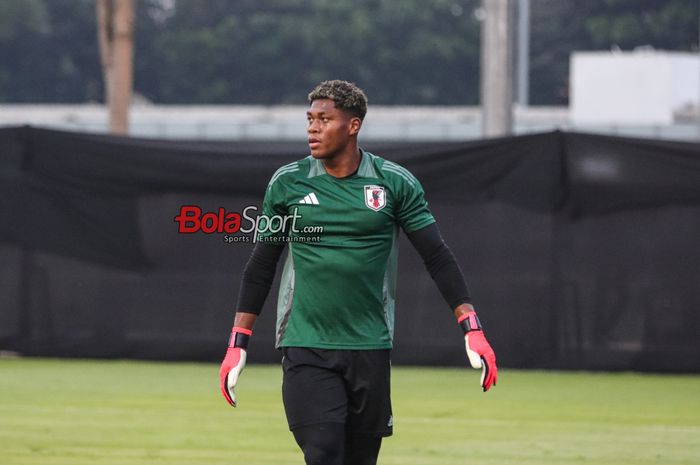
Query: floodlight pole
{"type": "Point", "coordinates": [115, 33]}
{"type": "Point", "coordinates": [523, 47]}
{"type": "Point", "coordinates": [496, 69]}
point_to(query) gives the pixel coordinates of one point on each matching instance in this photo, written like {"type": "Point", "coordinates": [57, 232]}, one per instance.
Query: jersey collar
{"type": "Point", "coordinates": [365, 170]}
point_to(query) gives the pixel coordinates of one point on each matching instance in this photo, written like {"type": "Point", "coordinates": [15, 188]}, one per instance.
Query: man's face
{"type": "Point", "coordinates": [329, 129]}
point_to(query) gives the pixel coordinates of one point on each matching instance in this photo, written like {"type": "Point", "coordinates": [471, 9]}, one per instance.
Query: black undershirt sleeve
{"type": "Point", "coordinates": [441, 265]}
{"type": "Point", "coordinates": [258, 275]}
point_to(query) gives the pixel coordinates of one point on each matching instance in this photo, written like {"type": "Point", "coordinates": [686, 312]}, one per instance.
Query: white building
{"type": "Point", "coordinates": [644, 87]}
{"type": "Point", "coordinates": [639, 94]}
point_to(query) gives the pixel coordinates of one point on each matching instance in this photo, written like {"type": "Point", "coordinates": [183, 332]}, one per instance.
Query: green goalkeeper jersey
{"type": "Point", "coordinates": [339, 280]}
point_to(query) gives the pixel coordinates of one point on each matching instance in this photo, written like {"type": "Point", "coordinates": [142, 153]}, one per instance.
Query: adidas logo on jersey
{"type": "Point", "coordinates": [310, 199]}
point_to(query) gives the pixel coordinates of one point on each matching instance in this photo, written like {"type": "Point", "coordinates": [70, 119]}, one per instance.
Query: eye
{"type": "Point", "coordinates": [324, 119]}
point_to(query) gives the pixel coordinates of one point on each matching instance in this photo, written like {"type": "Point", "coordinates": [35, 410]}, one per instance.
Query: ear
{"type": "Point", "coordinates": [354, 126]}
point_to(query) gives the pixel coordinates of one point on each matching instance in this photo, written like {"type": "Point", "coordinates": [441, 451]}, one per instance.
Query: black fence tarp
{"type": "Point", "coordinates": [581, 251]}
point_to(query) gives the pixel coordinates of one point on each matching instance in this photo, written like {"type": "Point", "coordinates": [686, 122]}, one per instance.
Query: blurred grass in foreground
{"type": "Point", "coordinates": [76, 412]}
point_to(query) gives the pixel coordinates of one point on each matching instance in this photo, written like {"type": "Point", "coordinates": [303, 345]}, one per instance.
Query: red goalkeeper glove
{"type": "Point", "coordinates": [233, 363]}
{"type": "Point", "coordinates": [479, 350]}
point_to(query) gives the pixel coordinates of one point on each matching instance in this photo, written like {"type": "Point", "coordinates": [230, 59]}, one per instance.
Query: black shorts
{"type": "Point", "coordinates": [351, 387]}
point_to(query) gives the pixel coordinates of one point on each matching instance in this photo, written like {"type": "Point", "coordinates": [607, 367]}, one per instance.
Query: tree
{"type": "Point", "coordinates": [115, 30]}
{"type": "Point", "coordinates": [20, 22]}
{"type": "Point", "coordinates": [273, 51]}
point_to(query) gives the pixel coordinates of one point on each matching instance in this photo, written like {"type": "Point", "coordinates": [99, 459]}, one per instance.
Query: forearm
{"type": "Point", "coordinates": [443, 268]}
{"type": "Point", "coordinates": [258, 275]}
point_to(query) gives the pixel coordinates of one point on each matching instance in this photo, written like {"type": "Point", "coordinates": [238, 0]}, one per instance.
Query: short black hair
{"type": "Point", "coordinates": [346, 95]}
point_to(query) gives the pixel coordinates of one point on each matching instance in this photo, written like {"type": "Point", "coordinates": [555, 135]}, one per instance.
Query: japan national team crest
{"type": "Point", "coordinates": [375, 197]}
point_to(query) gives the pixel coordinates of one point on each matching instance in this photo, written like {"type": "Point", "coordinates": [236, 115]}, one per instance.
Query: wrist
{"type": "Point", "coordinates": [462, 308]}
{"type": "Point", "coordinates": [239, 337]}
{"type": "Point", "coordinates": [469, 322]}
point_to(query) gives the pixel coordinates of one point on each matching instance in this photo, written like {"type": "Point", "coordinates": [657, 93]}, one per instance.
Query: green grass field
{"type": "Point", "coordinates": [74, 412]}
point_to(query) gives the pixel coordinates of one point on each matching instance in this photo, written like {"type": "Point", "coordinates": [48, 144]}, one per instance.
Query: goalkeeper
{"type": "Point", "coordinates": [335, 312]}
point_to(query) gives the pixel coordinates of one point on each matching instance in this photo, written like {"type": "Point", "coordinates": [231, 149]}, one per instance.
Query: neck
{"type": "Point", "coordinates": [343, 164]}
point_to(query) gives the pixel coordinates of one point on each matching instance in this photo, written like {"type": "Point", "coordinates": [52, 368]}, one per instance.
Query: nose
{"type": "Point", "coordinates": [313, 126]}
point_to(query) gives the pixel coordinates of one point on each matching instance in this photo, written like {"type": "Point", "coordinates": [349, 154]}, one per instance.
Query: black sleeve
{"type": "Point", "coordinates": [441, 265]}
{"type": "Point", "coordinates": [258, 275]}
